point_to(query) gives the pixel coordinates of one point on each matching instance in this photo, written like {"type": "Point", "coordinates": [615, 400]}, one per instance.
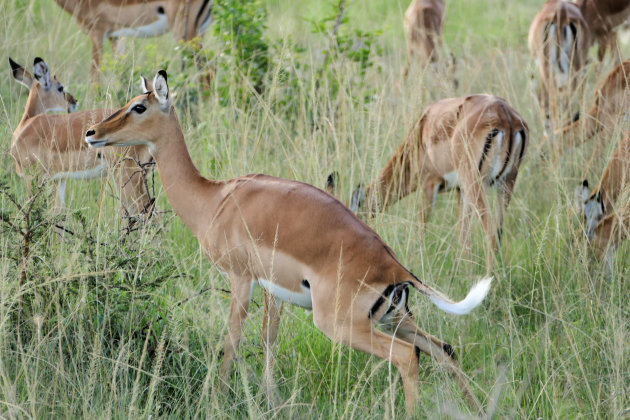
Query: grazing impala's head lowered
{"type": "Point", "coordinates": [140, 122]}
{"type": "Point", "coordinates": [48, 93]}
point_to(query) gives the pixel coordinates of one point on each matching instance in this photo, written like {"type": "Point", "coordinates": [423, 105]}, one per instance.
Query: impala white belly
{"type": "Point", "coordinates": [451, 180]}
{"type": "Point", "coordinates": [156, 28]}
{"type": "Point", "coordinates": [95, 172]}
{"type": "Point", "coordinates": [302, 299]}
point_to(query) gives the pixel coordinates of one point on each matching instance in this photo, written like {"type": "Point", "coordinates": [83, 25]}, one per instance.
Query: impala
{"type": "Point", "coordinates": [605, 197]}
{"type": "Point", "coordinates": [423, 25]}
{"type": "Point", "coordinates": [559, 39]}
{"type": "Point", "coordinates": [602, 18]}
{"type": "Point", "coordinates": [612, 105]}
{"type": "Point", "coordinates": [113, 19]}
{"type": "Point", "coordinates": [53, 144]}
{"type": "Point", "coordinates": [300, 244]}
{"type": "Point", "coordinates": [467, 143]}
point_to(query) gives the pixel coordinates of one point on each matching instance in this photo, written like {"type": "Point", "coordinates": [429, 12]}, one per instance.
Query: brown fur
{"type": "Point", "coordinates": [287, 232]}
{"type": "Point", "coordinates": [100, 17]}
{"type": "Point", "coordinates": [423, 25]}
{"type": "Point", "coordinates": [602, 18]}
{"type": "Point", "coordinates": [612, 103]}
{"type": "Point", "coordinates": [557, 87]}
{"type": "Point", "coordinates": [450, 137]}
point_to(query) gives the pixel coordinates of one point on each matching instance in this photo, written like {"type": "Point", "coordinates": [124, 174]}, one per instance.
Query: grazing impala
{"type": "Point", "coordinates": [612, 105]}
{"type": "Point", "coordinates": [559, 39]}
{"type": "Point", "coordinates": [602, 18]}
{"type": "Point", "coordinates": [423, 25]}
{"type": "Point", "coordinates": [55, 144]}
{"type": "Point", "coordinates": [300, 244]}
{"type": "Point", "coordinates": [610, 195]}
{"type": "Point", "coordinates": [467, 143]}
{"type": "Point", "coordinates": [113, 19]}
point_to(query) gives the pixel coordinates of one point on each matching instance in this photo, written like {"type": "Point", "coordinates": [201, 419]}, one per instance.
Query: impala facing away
{"type": "Point", "coordinates": [300, 244]}
{"type": "Point", "coordinates": [611, 107]}
{"type": "Point", "coordinates": [424, 20]}
{"type": "Point", "coordinates": [559, 39]}
{"type": "Point", "coordinates": [607, 208]}
{"type": "Point", "coordinates": [54, 144]}
{"type": "Point", "coordinates": [602, 18]}
{"type": "Point", "coordinates": [113, 19]}
{"type": "Point", "coordinates": [468, 143]}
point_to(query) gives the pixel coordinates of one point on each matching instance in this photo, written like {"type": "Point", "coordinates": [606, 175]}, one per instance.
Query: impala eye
{"type": "Point", "coordinates": [139, 108]}
{"type": "Point", "coordinates": [60, 88]}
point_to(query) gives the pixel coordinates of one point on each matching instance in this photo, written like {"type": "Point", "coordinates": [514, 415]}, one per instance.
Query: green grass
{"type": "Point", "coordinates": [92, 339]}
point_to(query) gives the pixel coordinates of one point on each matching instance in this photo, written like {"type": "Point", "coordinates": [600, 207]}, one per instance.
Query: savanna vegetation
{"type": "Point", "coordinates": [99, 320]}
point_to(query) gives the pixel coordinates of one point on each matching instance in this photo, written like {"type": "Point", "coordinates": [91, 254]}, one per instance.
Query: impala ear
{"type": "Point", "coordinates": [160, 89]}
{"type": "Point", "coordinates": [145, 85]}
{"type": "Point", "coordinates": [331, 182]}
{"type": "Point", "coordinates": [21, 74]}
{"type": "Point", "coordinates": [358, 198]}
{"type": "Point", "coordinates": [41, 72]}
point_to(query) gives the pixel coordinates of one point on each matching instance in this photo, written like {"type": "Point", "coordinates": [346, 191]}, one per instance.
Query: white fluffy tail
{"type": "Point", "coordinates": [472, 300]}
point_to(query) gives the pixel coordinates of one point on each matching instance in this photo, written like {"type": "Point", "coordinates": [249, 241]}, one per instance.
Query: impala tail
{"type": "Point", "coordinates": [475, 296]}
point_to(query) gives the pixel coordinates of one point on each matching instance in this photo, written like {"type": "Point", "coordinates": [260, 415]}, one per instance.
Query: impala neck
{"type": "Point", "coordinates": [187, 190]}
{"type": "Point", "coordinates": [398, 179]}
{"type": "Point", "coordinates": [33, 104]}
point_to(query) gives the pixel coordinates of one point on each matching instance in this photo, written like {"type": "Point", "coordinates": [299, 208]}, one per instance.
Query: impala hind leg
{"type": "Point", "coordinates": [241, 293]}
{"type": "Point", "coordinates": [361, 335]}
{"type": "Point", "coordinates": [271, 322]}
{"type": "Point", "coordinates": [504, 196]}
{"type": "Point", "coordinates": [475, 202]}
{"type": "Point", "coordinates": [405, 328]}
{"type": "Point", "coordinates": [430, 188]}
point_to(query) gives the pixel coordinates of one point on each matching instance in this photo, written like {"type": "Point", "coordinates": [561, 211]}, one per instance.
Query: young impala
{"type": "Point", "coordinates": [611, 107]}
{"type": "Point", "coordinates": [54, 144]}
{"type": "Point", "coordinates": [467, 143]}
{"type": "Point", "coordinates": [559, 39]}
{"type": "Point", "coordinates": [423, 25]}
{"type": "Point", "coordinates": [113, 19]}
{"type": "Point", "coordinates": [609, 198]}
{"type": "Point", "coordinates": [602, 18]}
{"type": "Point", "coordinates": [300, 244]}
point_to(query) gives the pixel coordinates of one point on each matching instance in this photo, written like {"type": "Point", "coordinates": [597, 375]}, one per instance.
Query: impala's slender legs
{"type": "Point", "coordinates": [98, 40]}
{"type": "Point", "coordinates": [430, 190]}
{"type": "Point", "coordinates": [504, 196]}
{"type": "Point", "coordinates": [271, 322]}
{"type": "Point", "coordinates": [405, 328]}
{"type": "Point", "coordinates": [475, 196]}
{"type": "Point", "coordinates": [241, 290]}
{"type": "Point", "coordinates": [361, 335]}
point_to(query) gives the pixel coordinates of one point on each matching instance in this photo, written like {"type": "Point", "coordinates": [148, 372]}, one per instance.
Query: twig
{"type": "Point", "coordinates": [340, 15]}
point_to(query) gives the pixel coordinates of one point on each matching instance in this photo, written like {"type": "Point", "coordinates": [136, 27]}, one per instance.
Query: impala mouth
{"type": "Point", "coordinates": [96, 144]}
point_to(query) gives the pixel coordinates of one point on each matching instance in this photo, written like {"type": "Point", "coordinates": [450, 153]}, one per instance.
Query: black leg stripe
{"type": "Point", "coordinates": [449, 350]}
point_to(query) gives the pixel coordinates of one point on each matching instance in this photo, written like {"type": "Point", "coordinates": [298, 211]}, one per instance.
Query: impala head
{"type": "Point", "coordinates": [50, 92]}
{"type": "Point", "coordinates": [140, 122]}
{"type": "Point", "coordinates": [593, 207]}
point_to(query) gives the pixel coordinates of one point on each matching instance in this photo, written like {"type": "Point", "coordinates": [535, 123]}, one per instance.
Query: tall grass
{"type": "Point", "coordinates": [110, 325]}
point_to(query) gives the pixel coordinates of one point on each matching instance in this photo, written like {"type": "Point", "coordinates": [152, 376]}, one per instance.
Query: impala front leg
{"type": "Point", "coordinates": [241, 294]}
{"type": "Point", "coordinates": [271, 322]}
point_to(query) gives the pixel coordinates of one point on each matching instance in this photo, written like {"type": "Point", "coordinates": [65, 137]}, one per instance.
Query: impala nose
{"type": "Point", "coordinates": [90, 133]}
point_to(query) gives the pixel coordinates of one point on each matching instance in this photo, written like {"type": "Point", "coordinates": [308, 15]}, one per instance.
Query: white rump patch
{"type": "Point", "coordinates": [302, 299]}
{"type": "Point", "coordinates": [156, 28]}
{"type": "Point", "coordinates": [497, 164]}
{"type": "Point", "coordinates": [472, 300]}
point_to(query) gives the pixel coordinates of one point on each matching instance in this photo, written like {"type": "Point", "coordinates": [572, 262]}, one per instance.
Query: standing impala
{"type": "Point", "coordinates": [297, 242]}
{"type": "Point", "coordinates": [468, 143]}
{"type": "Point", "coordinates": [610, 198]}
{"type": "Point", "coordinates": [559, 39]}
{"type": "Point", "coordinates": [54, 144]}
{"type": "Point", "coordinates": [611, 107]}
{"type": "Point", "coordinates": [602, 18]}
{"type": "Point", "coordinates": [424, 20]}
{"type": "Point", "coordinates": [113, 19]}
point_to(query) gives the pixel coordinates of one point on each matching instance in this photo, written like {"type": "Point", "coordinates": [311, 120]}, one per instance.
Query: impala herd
{"type": "Point", "coordinates": [301, 244]}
